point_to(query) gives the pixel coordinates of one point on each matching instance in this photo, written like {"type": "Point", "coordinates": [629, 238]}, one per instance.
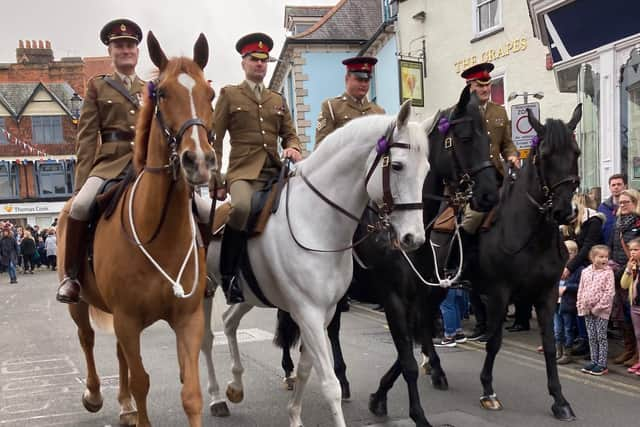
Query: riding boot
{"type": "Point", "coordinates": [75, 253]}
{"type": "Point", "coordinates": [629, 340]}
{"type": "Point", "coordinates": [233, 243]}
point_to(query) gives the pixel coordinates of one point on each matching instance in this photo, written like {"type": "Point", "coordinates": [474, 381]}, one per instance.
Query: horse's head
{"type": "Point", "coordinates": [179, 102]}
{"type": "Point", "coordinates": [459, 152]}
{"type": "Point", "coordinates": [395, 185]}
{"type": "Point", "coordinates": [555, 159]}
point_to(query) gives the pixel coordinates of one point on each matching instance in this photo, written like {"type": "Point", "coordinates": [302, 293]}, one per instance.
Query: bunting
{"type": "Point", "coordinates": [30, 148]}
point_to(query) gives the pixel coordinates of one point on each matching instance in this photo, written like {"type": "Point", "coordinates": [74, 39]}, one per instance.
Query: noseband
{"type": "Point", "coordinates": [173, 140]}
{"type": "Point", "coordinates": [547, 190]}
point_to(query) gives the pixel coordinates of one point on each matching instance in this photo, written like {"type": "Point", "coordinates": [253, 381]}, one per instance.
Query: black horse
{"type": "Point", "coordinates": [525, 234]}
{"type": "Point", "coordinates": [459, 160]}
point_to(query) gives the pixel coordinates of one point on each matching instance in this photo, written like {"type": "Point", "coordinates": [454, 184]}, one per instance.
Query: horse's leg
{"type": "Point", "coordinates": [231, 319]}
{"type": "Point", "coordinates": [544, 311]}
{"type": "Point", "coordinates": [395, 311]}
{"type": "Point", "coordinates": [378, 400]}
{"type": "Point", "coordinates": [189, 331]}
{"type": "Point", "coordinates": [339, 367]}
{"type": "Point", "coordinates": [218, 406]}
{"type": "Point", "coordinates": [128, 412]}
{"type": "Point", "coordinates": [438, 377]}
{"type": "Point", "coordinates": [92, 397]}
{"type": "Point", "coordinates": [314, 341]}
{"type": "Point", "coordinates": [287, 367]}
{"type": "Point", "coordinates": [128, 331]}
{"type": "Point", "coordinates": [302, 377]}
{"type": "Point", "coordinates": [497, 304]}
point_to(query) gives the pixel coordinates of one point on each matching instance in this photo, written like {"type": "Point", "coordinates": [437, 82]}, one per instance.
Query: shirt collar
{"type": "Point", "coordinates": [253, 85]}
{"type": "Point", "coordinates": [132, 77]}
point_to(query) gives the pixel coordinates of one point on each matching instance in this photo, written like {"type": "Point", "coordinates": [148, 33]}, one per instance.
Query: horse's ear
{"type": "Point", "coordinates": [535, 124]}
{"type": "Point", "coordinates": [155, 52]}
{"type": "Point", "coordinates": [403, 114]}
{"type": "Point", "coordinates": [575, 118]}
{"type": "Point", "coordinates": [201, 51]}
{"type": "Point", "coordinates": [430, 124]}
{"type": "Point", "coordinates": [465, 97]}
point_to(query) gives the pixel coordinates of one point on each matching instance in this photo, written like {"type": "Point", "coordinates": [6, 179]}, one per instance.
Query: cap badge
{"type": "Point", "coordinates": [365, 66]}
{"type": "Point", "coordinates": [260, 45]}
{"type": "Point", "coordinates": [123, 27]}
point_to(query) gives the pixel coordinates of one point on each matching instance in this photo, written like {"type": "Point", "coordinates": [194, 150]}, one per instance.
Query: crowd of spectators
{"type": "Point", "coordinates": [24, 250]}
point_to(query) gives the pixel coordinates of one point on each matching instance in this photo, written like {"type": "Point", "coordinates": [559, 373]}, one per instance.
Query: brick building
{"type": "Point", "coordinates": [39, 104]}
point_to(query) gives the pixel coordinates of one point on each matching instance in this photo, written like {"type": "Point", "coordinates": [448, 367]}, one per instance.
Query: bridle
{"type": "Point", "coordinates": [462, 186]}
{"type": "Point", "coordinates": [383, 157]}
{"type": "Point", "coordinates": [547, 190]}
{"type": "Point", "coordinates": [173, 139]}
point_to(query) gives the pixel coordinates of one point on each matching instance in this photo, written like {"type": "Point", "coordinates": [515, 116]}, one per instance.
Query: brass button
{"type": "Point", "coordinates": [132, 143]}
{"type": "Point", "coordinates": [346, 117]}
{"type": "Point", "coordinates": [264, 145]}
{"type": "Point", "coordinates": [263, 132]}
{"type": "Point", "coordinates": [132, 127]}
{"type": "Point", "coordinates": [261, 119]}
{"type": "Point", "coordinates": [239, 108]}
{"type": "Point", "coordinates": [109, 101]}
{"type": "Point", "coordinates": [260, 106]}
{"type": "Point", "coordinates": [363, 113]}
{"type": "Point", "coordinates": [132, 111]}
{"type": "Point", "coordinates": [488, 132]}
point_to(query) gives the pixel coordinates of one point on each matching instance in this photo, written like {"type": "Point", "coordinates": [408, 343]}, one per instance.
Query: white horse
{"type": "Point", "coordinates": [308, 283]}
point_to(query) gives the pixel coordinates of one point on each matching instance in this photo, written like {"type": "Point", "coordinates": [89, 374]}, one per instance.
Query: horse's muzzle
{"type": "Point", "coordinates": [198, 169]}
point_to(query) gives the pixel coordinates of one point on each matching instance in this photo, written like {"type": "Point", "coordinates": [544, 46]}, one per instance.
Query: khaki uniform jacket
{"type": "Point", "coordinates": [499, 130]}
{"type": "Point", "coordinates": [254, 127]}
{"type": "Point", "coordinates": [105, 109]}
{"type": "Point", "coordinates": [336, 112]}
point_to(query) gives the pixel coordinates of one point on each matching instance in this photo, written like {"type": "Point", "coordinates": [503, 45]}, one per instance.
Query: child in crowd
{"type": "Point", "coordinates": [565, 316]}
{"type": "Point", "coordinates": [595, 300]}
{"type": "Point", "coordinates": [630, 281]}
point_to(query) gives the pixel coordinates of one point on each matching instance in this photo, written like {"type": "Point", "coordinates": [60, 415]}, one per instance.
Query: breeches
{"type": "Point", "coordinates": [241, 194]}
{"type": "Point", "coordinates": [472, 220]}
{"type": "Point", "coordinates": [81, 205]}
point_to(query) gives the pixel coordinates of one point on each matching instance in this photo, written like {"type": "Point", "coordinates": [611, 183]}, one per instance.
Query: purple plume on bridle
{"type": "Point", "coordinates": [151, 90]}
{"type": "Point", "coordinates": [534, 142]}
{"type": "Point", "coordinates": [443, 125]}
{"type": "Point", "coordinates": [382, 146]}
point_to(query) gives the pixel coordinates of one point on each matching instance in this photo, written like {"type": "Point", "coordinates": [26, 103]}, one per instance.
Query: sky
{"type": "Point", "coordinates": [73, 28]}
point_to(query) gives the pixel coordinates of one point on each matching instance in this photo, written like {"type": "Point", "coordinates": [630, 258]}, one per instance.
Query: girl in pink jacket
{"type": "Point", "coordinates": [595, 300]}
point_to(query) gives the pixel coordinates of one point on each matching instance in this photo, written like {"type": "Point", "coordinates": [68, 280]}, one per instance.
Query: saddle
{"type": "Point", "coordinates": [110, 193]}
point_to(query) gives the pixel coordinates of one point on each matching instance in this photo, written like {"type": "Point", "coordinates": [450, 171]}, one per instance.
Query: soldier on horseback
{"type": "Point", "coordinates": [255, 117]}
{"type": "Point", "coordinates": [108, 115]}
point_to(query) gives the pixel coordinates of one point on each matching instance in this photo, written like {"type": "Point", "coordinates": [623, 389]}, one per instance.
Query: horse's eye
{"type": "Point", "coordinates": [397, 166]}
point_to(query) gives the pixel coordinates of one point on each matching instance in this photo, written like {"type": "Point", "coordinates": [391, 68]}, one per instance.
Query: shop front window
{"type": "Point", "coordinates": [9, 180]}
{"type": "Point", "coordinates": [588, 131]}
{"type": "Point", "coordinates": [630, 118]}
{"type": "Point", "coordinates": [54, 179]}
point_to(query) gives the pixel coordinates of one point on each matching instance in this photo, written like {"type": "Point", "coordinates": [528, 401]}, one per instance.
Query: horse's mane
{"type": "Point", "coordinates": [555, 135]}
{"type": "Point", "coordinates": [143, 125]}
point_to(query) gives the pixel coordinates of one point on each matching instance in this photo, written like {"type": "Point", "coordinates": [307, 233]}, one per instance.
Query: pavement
{"type": "Point", "coordinates": [42, 374]}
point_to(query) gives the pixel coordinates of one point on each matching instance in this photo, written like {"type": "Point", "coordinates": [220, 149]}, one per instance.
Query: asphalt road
{"type": "Point", "coordinates": [42, 372]}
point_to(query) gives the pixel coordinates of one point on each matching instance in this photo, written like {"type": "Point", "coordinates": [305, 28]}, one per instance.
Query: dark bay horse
{"type": "Point", "coordinates": [459, 155]}
{"type": "Point", "coordinates": [146, 251]}
{"type": "Point", "coordinates": [523, 255]}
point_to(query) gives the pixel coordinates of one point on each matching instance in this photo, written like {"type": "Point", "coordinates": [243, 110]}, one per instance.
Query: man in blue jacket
{"type": "Point", "coordinates": [617, 183]}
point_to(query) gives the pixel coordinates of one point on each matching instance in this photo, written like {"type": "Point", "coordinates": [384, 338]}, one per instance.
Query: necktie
{"type": "Point", "coordinates": [258, 92]}
{"type": "Point", "coordinates": [127, 82]}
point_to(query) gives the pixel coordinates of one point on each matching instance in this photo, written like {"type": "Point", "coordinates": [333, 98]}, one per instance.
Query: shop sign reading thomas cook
{"type": "Point", "coordinates": [17, 209]}
{"type": "Point", "coordinates": [490, 55]}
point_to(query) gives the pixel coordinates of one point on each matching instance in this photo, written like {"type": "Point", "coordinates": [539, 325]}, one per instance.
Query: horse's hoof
{"type": "Point", "coordinates": [346, 391]}
{"type": "Point", "coordinates": [289, 383]}
{"type": "Point", "coordinates": [234, 396]}
{"type": "Point", "coordinates": [91, 406]}
{"type": "Point", "coordinates": [219, 409]}
{"type": "Point", "coordinates": [129, 418]}
{"type": "Point", "coordinates": [378, 407]}
{"type": "Point", "coordinates": [440, 382]}
{"type": "Point", "coordinates": [491, 403]}
{"type": "Point", "coordinates": [563, 412]}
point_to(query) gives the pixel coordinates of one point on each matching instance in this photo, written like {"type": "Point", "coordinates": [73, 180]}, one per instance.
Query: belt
{"type": "Point", "coordinates": [117, 135]}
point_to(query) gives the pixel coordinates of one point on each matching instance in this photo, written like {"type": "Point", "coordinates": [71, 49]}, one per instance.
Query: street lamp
{"type": "Point", "coordinates": [76, 102]}
{"type": "Point", "coordinates": [525, 95]}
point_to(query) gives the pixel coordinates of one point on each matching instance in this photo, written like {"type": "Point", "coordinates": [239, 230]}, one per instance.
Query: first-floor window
{"type": "Point", "coordinates": [46, 129]}
{"type": "Point", "coordinates": [487, 15]}
{"type": "Point", "coordinates": [54, 179]}
{"type": "Point", "coordinates": [8, 181]}
{"type": "Point", "coordinates": [3, 136]}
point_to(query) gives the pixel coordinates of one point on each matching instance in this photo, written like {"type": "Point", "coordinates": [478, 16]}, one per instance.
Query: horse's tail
{"type": "Point", "coordinates": [287, 332]}
{"type": "Point", "coordinates": [101, 319]}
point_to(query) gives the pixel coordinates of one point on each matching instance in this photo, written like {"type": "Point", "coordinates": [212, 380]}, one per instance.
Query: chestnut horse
{"type": "Point", "coordinates": [147, 248]}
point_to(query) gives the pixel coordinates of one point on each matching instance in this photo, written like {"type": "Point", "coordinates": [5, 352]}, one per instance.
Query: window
{"type": "Point", "coordinates": [3, 136]}
{"type": "Point", "coordinates": [389, 10]}
{"type": "Point", "coordinates": [497, 90]}
{"type": "Point", "coordinates": [8, 181]}
{"type": "Point", "coordinates": [487, 16]}
{"type": "Point", "coordinates": [46, 129]}
{"type": "Point", "coordinates": [54, 178]}
{"type": "Point", "coordinates": [630, 118]}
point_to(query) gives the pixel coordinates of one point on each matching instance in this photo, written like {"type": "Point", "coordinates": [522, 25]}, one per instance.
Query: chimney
{"type": "Point", "coordinates": [34, 52]}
